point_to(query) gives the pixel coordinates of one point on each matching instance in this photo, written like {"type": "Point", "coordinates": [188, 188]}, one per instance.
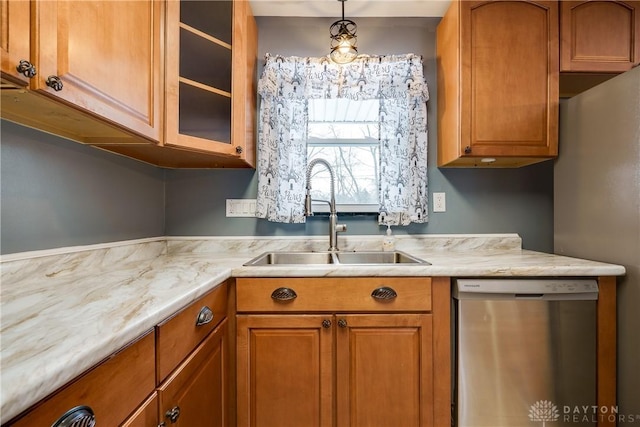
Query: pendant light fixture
{"type": "Point", "coordinates": [344, 47]}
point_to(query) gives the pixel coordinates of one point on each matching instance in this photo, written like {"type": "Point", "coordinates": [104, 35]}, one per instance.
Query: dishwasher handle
{"type": "Point", "coordinates": [564, 289]}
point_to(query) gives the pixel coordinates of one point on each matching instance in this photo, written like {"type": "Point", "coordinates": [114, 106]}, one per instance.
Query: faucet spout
{"type": "Point", "coordinates": [334, 227]}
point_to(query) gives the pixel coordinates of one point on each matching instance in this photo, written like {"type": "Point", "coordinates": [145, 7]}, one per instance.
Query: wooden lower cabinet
{"type": "Point", "coordinates": [384, 370]}
{"type": "Point", "coordinates": [146, 415]}
{"type": "Point", "coordinates": [285, 369]}
{"type": "Point", "coordinates": [194, 395]}
{"type": "Point", "coordinates": [112, 390]}
{"type": "Point", "coordinates": [180, 371]}
{"type": "Point", "coordinates": [356, 369]}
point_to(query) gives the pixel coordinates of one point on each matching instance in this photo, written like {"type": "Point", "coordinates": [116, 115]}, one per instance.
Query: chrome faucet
{"type": "Point", "coordinates": [334, 228]}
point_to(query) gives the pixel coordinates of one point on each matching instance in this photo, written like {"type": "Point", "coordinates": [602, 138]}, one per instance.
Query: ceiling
{"type": "Point", "coordinates": [352, 8]}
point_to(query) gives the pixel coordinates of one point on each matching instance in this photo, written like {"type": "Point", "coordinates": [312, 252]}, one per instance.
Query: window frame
{"type": "Point", "coordinates": [319, 207]}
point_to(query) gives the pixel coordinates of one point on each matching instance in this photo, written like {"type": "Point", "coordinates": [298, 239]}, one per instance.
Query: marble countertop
{"type": "Point", "coordinates": [64, 311]}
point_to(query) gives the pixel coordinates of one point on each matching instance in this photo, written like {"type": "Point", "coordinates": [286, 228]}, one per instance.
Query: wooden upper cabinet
{"type": "Point", "coordinates": [107, 57]}
{"type": "Point", "coordinates": [168, 82]}
{"type": "Point", "coordinates": [599, 36]}
{"type": "Point", "coordinates": [498, 83]}
{"type": "Point", "coordinates": [210, 79]}
{"type": "Point", "coordinates": [15, 39]}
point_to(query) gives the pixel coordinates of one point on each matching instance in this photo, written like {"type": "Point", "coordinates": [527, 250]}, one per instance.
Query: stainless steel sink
{"type": "Point", "coordinates": [347, 258]}
{"type": "Point", "coordinates": [292, 258]}
{"type": "Point", "coordinates": [378, 257]}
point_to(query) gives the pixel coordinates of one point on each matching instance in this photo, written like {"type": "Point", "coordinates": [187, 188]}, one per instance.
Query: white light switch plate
{"type": "Point", "coordinates": [241, 208]}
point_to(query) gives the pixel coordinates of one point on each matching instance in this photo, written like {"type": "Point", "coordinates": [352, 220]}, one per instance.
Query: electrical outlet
{"type": "Point", "coordinates": [241, 208]}
{"type": "Point", "coordinates": [439, 202]}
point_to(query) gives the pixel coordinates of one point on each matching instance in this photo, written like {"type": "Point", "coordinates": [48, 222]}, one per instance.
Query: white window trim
{"type": "Point", "coordinates": [319, 207]}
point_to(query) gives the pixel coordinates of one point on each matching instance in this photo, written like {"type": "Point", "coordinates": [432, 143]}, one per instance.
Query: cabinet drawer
{"type": "Point", "coordinates": [180, 334]}
{"type": "Point", "coordinates": [113, 389]}
{"type": "Point", "coordinates": [334, 294]}
{"type": "Point", "coordinates": [198, 387]}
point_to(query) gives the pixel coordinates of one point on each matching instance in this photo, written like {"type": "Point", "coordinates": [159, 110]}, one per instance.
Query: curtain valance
{"type": "Point", "coordinates": [368, 77]}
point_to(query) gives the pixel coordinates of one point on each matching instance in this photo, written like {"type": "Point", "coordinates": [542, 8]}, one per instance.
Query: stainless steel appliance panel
{"type": "Point", "coordinates": [523, 358]}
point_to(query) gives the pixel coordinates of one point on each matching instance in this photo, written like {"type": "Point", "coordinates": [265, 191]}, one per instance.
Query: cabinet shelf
{"type": "Point", "coordinates": [198, 15]}
{"type": "Point", "coordinates": [204, 113]}
{"type": "Point", "coordinates": [205, 60]}
{"type": "Point", "coordinates": [204, 35]}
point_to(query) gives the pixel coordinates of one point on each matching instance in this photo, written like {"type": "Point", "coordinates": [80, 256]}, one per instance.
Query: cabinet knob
{"type": "Point", "coordinates": [342, 323]}
{"type": "Point", "coordinates": [80, 416]}
{"type": "Point", "coordinates": [467, 149]}
{"type": "Point", "coordinates": [239, 149]}
{"type": "Point", "coordinates": [284, 294]}
{"type": "Point", "coordinates": [54, 83]}
{"type": "Point", "coordinates": [173, 414]}
{"type": "Point", "coordinates": [26, 68]}
{"type": "Point", "coordinates": [326, 323]}
{"type": "Point", "coordinates": [384, 293]}
{"type": "Point", "coordinates": [205, 316]}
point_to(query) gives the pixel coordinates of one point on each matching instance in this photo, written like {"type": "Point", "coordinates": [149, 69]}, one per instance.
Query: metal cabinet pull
{"type": "Point", "coordinates": [284, 294]}
{"type": "Point", "coordinates": [326, 323]}
{"type": "Point", "coordinates": [342, 323]}
{"type": "Point", "coordinates": [239, 149]}
{"type": "Point", "coordinates": [26, 68]}
{"type": "Point", "coordinates": [205, 316]}
{"type": "Point", "coordinates": [80, 416]}
{"type": "Point", "coordinates": [384, 293]}
{"type": "Point", "coordinates": [54, 83]}
{"type": "Point", "coordinates": [173, 414]}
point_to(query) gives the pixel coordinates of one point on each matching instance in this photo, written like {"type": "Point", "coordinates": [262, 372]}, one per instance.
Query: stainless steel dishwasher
{"type": "Point", "coordinates": [525, 351]}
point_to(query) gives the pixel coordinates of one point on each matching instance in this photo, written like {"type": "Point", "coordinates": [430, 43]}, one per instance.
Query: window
{"type": "Point", "coordinates": [371, 123]}
{"type": "Point", "coordinates": [345, 133]}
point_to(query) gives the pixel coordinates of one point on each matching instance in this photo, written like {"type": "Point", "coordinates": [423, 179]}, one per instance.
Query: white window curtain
{"type": "Point", "coordinates": [287, 83]}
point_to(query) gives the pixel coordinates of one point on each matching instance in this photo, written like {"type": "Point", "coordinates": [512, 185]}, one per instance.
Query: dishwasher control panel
{"type": "Point", "coordinates": [562, 288]}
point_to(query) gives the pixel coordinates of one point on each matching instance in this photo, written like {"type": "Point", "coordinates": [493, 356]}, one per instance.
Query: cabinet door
{"type": "Point", "coordinates": [14, 38]}
{"type": "Point", "coordinates": [384, 370]}
{"type": "Point", "coordinates": [509, 78]}
{"type": "Point", "coordinates": [498, 71]}
{"type": "Point", "coordinates": [599, 36]}
{"type": "Point", "coordinates": [107, 56]}
{"type": "Point", "coordinates": [210, 80]}
{"type": "Point", "coordinates": [284, 372]}
{"type": "Point", "coordinates": [194, 395]}
{"type": "Point", "coordinates": [146, 415]}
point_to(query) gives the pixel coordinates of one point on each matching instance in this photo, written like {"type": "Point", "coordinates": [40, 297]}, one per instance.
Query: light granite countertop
{"type": "Point", "coordinates": [65, 310]}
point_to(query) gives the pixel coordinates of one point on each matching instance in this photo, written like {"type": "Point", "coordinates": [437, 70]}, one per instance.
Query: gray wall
{"type": "Point", "coordinates": [597, 203]}
{"type": "Point", "coordinates": [57, 193]}
{"type": "Point", "coordinates": [478, 201]}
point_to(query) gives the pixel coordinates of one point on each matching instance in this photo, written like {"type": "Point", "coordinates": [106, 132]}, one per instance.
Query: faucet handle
{"type": "Point", "coordinates": [308, 210]}
{"type": "Point", "coordinates": [341, 227]}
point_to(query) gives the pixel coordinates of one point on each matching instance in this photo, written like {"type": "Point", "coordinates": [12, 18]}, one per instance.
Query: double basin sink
{"type": "Point", "coordinates": [335, 258]}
